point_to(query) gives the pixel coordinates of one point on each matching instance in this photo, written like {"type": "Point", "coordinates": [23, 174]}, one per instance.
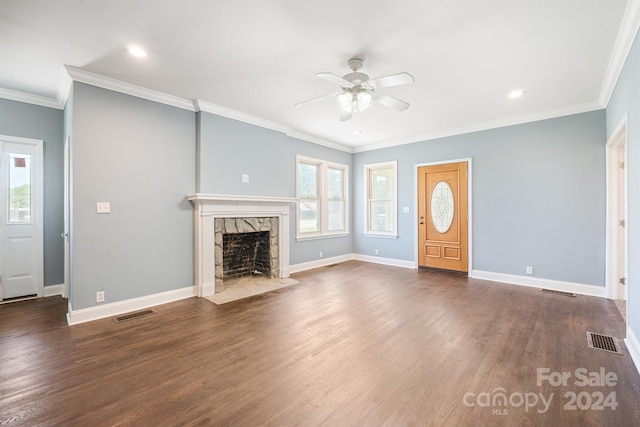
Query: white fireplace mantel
{"type": "Point", "coordinates": [208, 207]}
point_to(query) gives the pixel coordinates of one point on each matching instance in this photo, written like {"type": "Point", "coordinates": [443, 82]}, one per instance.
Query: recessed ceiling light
{"type": "Point", "coordinates": [357, 131]}
{"type": "Point", "coordinates": [136, 51]}
{"type": "Point", "coordinates": [517, 93]}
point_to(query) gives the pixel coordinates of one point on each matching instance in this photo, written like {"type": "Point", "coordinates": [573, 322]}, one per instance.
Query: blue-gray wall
{"type": "Point", "coordinates": [229, 148]}
{"type": "Point", "coordinates": [538, 197]}
{"type": "Point", "coordinates": [140, 156]}
{"type": "Point", "coordinates": [538, 190]}
{"type": "Point", "coordinates": [31, 121]}
{"type": "Point", "coordinates": [626, 99]}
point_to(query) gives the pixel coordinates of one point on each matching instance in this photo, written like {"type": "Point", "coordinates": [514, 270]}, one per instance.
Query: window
{"type": "Point", "coordinates": [19, 188]}
{"type": "Point", "coordinates": [381, 199]}
{"type": "Point", "coordinates": [322, 198]}
{"type": "Point", "coordinates": [335, 198]}
{"type": "Point", "coordinates": [309, 195]}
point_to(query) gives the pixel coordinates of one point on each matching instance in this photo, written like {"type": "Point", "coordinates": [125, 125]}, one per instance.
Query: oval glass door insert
{"type": "Point", "coordinates": [442, 207]}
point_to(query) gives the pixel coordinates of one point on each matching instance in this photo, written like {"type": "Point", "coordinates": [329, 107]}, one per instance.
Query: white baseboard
{"type": "Point", "coordinates": [69, 311]}
{"type": "Point", "coordinates": [386, 261]}
{"type": "Point", "coordinates": [556, 285]}
{"type": "Point", "coordinates": [295, 268]}
{"type": "Point", "coordinates": [208, 289]}
{"type": "Point", "coordinates": [322, 262]}
{"type": "Point", "coordinates": [113, 309]}
{"type": "Point", "coordinates": [633, 345]}
{"type": "Point", "coordinates": [53, 290]}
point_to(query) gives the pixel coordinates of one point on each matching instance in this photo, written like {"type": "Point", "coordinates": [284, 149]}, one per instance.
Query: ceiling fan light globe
{"type": "Point", "coordinates": [345, 100]}
{"type": "Point", "coordinates": [364, 100]}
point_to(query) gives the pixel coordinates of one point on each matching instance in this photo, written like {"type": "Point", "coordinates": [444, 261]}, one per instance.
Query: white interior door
{"type": "Point", "coordinates": [21, 267]}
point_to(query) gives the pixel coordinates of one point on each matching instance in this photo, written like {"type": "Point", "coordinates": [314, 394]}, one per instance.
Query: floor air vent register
{"type": "Point", "coordinates": [603, 342]}
{"type": "Point", "coordinates": [564, 294]}
{"type": "Point", "coordinates": [134, 315]}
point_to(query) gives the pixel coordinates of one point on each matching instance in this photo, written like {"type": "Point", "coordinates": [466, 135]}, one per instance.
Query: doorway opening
{"type": "Point", "coordinates": [617, 234]}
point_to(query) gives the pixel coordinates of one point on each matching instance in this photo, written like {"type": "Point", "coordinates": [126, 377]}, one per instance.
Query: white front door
{"type": "Point", "coordinates": [21, 266]}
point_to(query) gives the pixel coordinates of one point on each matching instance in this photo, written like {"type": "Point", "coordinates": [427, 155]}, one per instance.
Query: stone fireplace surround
{"type": "Point", "coordinates": [209, 207]}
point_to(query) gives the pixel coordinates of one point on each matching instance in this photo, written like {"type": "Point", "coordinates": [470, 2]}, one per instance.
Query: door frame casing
{"type": "Point", "coordinates": [66, 235]}
{"type": "Point", "coordinates": [617, 139]}
{"type": "Point", "coordinates": [416, 236]}
{"type": "Point", "coordinates": [39, 199]}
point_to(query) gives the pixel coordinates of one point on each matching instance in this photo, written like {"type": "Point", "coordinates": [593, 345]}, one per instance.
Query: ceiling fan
{"type": "Point", "coordinates": [357, 91]}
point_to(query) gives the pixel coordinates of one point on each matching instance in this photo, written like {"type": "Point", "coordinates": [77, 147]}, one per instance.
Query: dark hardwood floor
{"type": "Point", "coordinates": [356, 344]}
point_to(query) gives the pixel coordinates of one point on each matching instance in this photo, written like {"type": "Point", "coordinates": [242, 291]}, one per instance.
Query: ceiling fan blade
{"type": "Point", "coordinates": [335, 79]}
{"type": "Point", "coordinates": [392, 80]}
{"type": "Point", "coordinates": [390, 101]}
{"type": "Point", "coordinates": [318, 98]}
{"type": "Point", "coordinates": [345, 114]}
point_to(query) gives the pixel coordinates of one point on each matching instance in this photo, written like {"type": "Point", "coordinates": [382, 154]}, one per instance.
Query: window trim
{"type": "Point", "coordinates": [323, 199]}
{"type": "Point", "coordinates": [393, 165]}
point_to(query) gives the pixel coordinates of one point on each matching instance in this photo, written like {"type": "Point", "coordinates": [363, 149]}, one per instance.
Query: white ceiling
{"type": "Point", "coordinates": [259, 57]}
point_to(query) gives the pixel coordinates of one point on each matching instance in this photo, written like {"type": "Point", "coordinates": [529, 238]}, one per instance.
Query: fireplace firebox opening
{"type": "Point", "coordinates": [266, 251]}
{"type": "Point", "coordinates": [246, 254]}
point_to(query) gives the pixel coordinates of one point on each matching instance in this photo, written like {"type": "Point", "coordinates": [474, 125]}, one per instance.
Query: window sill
{"type": "Point", "coordinates": [381, 236]}
{"type": "Point", "coordinates": [320, 236]}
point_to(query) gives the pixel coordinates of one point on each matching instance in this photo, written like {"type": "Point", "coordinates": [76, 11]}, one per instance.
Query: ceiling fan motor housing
{"type": "Point", "coordinates": [356, 78]}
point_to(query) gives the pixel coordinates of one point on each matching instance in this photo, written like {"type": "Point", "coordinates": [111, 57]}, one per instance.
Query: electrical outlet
{"type": "Point", "coordinates": [100, 296]}
{"type": "Point", "coordinates": [376, 252]}
{"type": "Point", "coordinates": [103, 207]}
{"type": "Point", "coordinates": [245, 178]}
{"type": "Point", "coordinates": [529, 270]}
{"type": "Point", "coordinates": [320, 254]}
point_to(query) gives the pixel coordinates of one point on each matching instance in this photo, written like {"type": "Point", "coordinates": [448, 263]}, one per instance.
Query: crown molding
{"type": "Point", "coordinates": [621, 48]}
{"type": "Point", "coordinates": [568, 111]}
{"type": "Point", "coordinates": [93, 79]}
{"type": "Point", "coordinates": [229, 113]}
{"type": "Point", "coordinates": [64, 87]}
{"type": "Point", "coordinates": [71, 74]}
{"type": "Point", "coordinates": [319, 141]}
{"type": "Point", "coordinates": [28, 98]}
{"type": "Point", "coordinates": [82, 76]}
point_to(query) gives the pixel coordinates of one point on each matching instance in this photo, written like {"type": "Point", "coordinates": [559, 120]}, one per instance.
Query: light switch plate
{"type": "Point", "coordinates": [103, 207]}
{"type": "Point", "coordinates": [245, 178]}
{"type": "Point", "coordinates": [405, 209]}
